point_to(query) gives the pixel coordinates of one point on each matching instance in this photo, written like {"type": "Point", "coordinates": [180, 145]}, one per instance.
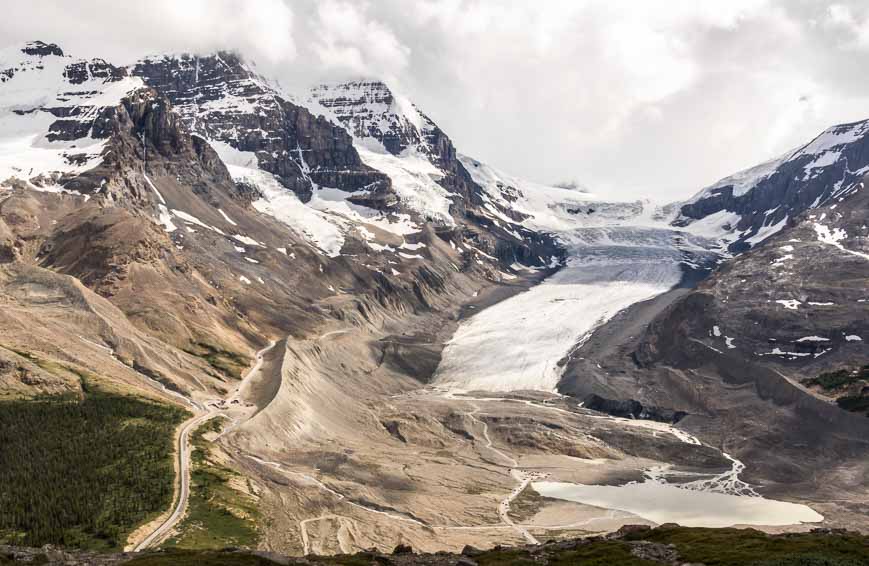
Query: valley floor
{"type": "Point", "coordinates": [348, 447]}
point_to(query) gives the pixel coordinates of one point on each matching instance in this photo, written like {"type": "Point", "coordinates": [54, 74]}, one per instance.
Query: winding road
{"type": "Point", "coordinates": [184, 466]}
{"type": "Point", "coordinates": [214, 408]}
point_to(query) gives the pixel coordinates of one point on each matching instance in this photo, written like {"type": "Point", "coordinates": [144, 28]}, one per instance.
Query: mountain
{"type": "Point", "coordinates": [765, 355]}
{"type": "Point", "coordinates": [390, 126]}
{"type": "Point", "coordinates": [382, 340]}
{"type": "Point", "coordinates": [760, 201]}
{"type": "Point", "coordinates": [195, 173]}
{"type": "Point", "coordinates": [428, 174]}
{"type": "Point", "coordinates": [222, 100]}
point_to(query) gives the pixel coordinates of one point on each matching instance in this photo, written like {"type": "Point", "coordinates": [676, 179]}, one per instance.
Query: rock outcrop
{"type": "Point", "coordinates": [222, 100]}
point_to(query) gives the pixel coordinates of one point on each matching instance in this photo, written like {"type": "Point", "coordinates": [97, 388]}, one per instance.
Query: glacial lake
{"type": "Point", "coordinates": [665, 503]}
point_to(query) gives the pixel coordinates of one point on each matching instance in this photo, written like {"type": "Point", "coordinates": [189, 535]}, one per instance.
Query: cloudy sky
{"type": "Point", "coordinates": [632, 98]}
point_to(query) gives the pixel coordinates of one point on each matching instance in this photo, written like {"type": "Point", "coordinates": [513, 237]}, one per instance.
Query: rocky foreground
{"type": "Point", "coordinates": [631, 545]}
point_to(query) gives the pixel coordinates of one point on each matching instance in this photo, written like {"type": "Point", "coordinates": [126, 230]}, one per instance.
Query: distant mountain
{"type": "Point", "coordinates": [573, 186]}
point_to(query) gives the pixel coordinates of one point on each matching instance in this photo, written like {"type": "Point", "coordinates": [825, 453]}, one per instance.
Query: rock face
{"type": "Point", "coordinates": [631, 409]}
{"type": "Point", "coordinates": [222, 100]}
{"type": "Point", "coordinates": [146, 135]}
{"type": "Point", "coordinates": [760, 201]}
{"type": "Point", "coordinates": [798, 302]}
{"type": "Point", "coordinates": [132, 190]}
{"type": "Point", "coordinates": [371, 111]}
{"type": "Point", "coordinates": [429, 177]}
{"type": "Point", "coordinates": [41, 49]}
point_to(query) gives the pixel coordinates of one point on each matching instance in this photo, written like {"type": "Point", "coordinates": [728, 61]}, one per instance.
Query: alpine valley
{"type": "Point", "coordinates": [308, 324]}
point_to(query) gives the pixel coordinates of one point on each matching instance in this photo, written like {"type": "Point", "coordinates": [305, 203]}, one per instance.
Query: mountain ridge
{"type": "Point", "coordinates": [430, 311]}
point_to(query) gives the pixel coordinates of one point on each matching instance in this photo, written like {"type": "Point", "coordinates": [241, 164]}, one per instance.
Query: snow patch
{"type": "Point", "coordinates": [225, 217]}
{"type": "Point", "coordinates": [834, 238]}
{"type": "Point", "coordinates": [247, 240]}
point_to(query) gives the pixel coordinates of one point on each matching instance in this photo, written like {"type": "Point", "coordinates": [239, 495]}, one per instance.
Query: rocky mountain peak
{"type": "Point", "coordinates": [41, 49]}
{"type": "Point", "coordinates": [384, 123]}
{"type": "Point", "coordinates": [370, 110]}
{"type": "Point", "coordinates": [223, 100]}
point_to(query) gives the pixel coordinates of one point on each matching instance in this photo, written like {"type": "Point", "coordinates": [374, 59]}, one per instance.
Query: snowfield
{"type": "Point", "coordinates": [38, 83]}
{"type": "Point", "coordinates": [324, 220]}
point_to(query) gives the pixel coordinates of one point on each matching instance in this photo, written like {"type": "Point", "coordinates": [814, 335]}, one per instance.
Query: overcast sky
{"type": "Point", "coordinates": [634, 98]}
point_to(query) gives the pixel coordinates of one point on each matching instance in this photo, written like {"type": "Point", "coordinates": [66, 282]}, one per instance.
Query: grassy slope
{"type": "Point", "coordinates": [218, 515]}
{"type": "Point", "coordinates": [224, 361]}
{"type": "Point", "coordinates": [746, 546]}
{"type": "Point", "coordinates": [849, 386]}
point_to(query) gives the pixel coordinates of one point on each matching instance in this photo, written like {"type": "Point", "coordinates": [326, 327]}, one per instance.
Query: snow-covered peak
{"type": "Point", "coordinates": [30, 74]}
{"type": "Point", "coordinates": [28, 54]}
{"type": "Point", "coordinates": [752, 205]}
{"type": "Point", "coordinates": [744, 180]}
{"type": "Point", "coordinates": [393, 136]}
{"type": "Point", "coordinates": [372, 112]}
{"type": "Point", "coordinates": [824, 150]}
{"type": "Point", "coordinates": [38, 76]}
{"type": "Point", "coordinates": [834, 138]}
{"type": "Point", "coordinates": [49, 109]}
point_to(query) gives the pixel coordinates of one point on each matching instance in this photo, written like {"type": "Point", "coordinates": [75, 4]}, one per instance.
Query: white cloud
{"type": "Point", "coordinates": [121, 31]}
{"type": "Point", "coordinates": [629, 96]}
{"type": "Point", "coordinates": [854, 28]}
{"type": "Point", "coordinates": [346, 39]}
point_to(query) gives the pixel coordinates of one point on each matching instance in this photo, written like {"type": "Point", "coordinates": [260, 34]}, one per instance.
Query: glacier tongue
{"type": "Point", "coordinates": [516, 344]}
{"type": "Point", "coordinates": [619, 253]}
